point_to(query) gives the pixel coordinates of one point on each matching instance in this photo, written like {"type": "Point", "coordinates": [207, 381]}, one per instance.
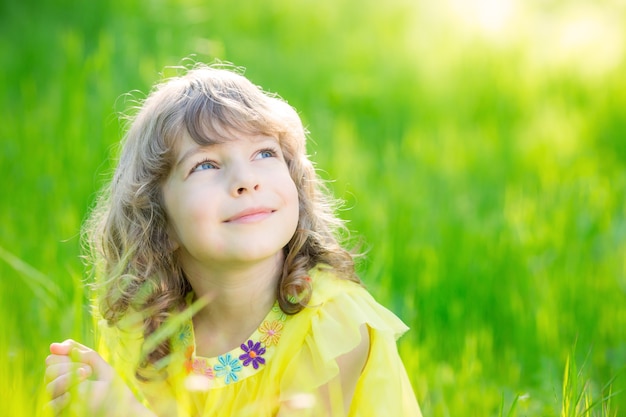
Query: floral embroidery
{"type": "Point", "coordinates": [228, 368]}
{"type": "Point", "coordinates": [184, 336]}
{"type": "Point", "coordinates": [240, 363]}
{"type": "Point", "coordinates": [270, 331]}
{"type": "Point", "coordinates": [201, 367]}
{"type": "Point", "coordinates": [252, 355]}
{"type": "Point", "coordinates": [281, 314]}
{"type": "Point", "coordinates": [188, 360]}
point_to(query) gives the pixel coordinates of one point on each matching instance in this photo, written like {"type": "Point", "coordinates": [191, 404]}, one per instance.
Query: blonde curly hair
{"type": "Point", "coordinates": [126, 234]}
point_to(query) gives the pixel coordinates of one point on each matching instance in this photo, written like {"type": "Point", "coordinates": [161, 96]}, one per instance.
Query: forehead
{"type": "Point", "coordinates": [186, 140]}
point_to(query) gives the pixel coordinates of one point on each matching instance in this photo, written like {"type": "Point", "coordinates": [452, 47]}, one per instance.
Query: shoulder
{"type": "Point", "coordinates": [343, 301]}
{"type": "Point", "coordinates": [326, 284]}
{"type": "Point", "coordinates": [339, 318]}
{"type": "Point", "coordinates": [331, 339]}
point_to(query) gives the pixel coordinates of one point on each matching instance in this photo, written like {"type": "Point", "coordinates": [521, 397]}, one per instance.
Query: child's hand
{"type": "Point", "coordinates": [77, 376]}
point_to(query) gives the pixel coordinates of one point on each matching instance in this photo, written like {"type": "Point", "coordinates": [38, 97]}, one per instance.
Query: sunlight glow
{"type": "Point", "coordinates": [198, 383]}
{"type": "Point", "coordinates": [491, 17]}
{"type": "Point", "coordinates": [588, 37]}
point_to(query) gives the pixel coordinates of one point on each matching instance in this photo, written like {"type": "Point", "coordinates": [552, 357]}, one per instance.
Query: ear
{"type": "Point", "coordinates": [173, 243]}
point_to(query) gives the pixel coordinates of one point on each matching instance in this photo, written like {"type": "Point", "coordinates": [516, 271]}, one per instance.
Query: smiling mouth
{"type": "Point", "coordinates": [250, 215]}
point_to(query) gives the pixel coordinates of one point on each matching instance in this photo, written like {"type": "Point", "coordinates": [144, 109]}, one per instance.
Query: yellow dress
{"type": "Point", "coordinates": [286, 360]}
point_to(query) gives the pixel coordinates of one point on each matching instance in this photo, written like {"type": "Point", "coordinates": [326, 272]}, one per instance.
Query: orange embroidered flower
{"type": "Point", "coordinates": [270, 331]}
{"type": "Point", "coordinates": [188, 361]}
{"type": "Point", "coordinates": [189, 352]}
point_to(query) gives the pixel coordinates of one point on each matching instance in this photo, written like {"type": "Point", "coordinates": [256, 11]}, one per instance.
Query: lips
{"type": "Point", "coordinates": [250, 215]}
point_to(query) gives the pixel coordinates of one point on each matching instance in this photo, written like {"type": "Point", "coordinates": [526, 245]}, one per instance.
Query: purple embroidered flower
{"type": "Point", "coordinates": [253, 352]}
{"type": "Point", "coordinates": [228, 368]}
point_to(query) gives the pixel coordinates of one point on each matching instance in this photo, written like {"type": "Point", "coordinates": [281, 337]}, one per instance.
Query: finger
{"type": "Point", "coordinates": [66, 347]}
{"type": "Point", "coordinates": [66, 381]}
{"type": "Point", "coordinates": [58, 369]}
{"type": "Point", "coordinates": [101, 369]}
{"type": "Point", "coordinates": [58, 404]}
{"type": "Point", "coordinates": [62, 348]}
{"type": "Point", "coordinates": [54, 359]}
{"type": "Point", "coordinates": [81, 353]}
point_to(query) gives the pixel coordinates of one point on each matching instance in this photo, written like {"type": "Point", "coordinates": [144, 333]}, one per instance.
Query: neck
{"type": "Point", "coordinates": [237, 293]}
{"type": "Point", "coordinates": [239, 298]}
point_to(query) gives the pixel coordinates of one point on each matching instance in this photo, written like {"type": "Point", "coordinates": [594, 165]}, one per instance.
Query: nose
{"type": "Point", "coordinates": [244, 181]}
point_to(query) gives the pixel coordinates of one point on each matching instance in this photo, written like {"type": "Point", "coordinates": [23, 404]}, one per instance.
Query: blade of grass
{"type": "Point", "coordinates": [40, 284]}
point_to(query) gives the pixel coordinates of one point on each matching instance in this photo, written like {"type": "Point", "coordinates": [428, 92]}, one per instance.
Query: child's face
{"type": "Point", "coordinates": [230, 203]}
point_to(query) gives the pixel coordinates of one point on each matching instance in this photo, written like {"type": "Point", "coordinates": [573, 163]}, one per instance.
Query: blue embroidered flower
{"type": "Point", "coordinates": [183, 338]}
{"type": "Point", "coordinates": [253, 352]}
{"type": "Point", "coordinates": [228, 368]}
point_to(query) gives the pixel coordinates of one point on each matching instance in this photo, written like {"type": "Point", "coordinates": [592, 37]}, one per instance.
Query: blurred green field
{"type": "Point", "coordinates": [480, 147]}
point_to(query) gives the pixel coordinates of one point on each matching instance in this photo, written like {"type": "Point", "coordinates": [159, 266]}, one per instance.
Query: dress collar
{"type": "Point", "coordinates": [242, 362]}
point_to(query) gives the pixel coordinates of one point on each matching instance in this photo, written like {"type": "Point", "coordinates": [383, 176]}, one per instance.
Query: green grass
{"type": "Point", "coordinates": [483, 165]}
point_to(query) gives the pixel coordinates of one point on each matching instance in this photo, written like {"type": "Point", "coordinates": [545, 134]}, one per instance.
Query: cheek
{"type": "Point", "coordinates": [199, 211]}
{"type": "Point", "coordinates": [188, 212]}
{"type": "Point", "coordinates": [288, 190]}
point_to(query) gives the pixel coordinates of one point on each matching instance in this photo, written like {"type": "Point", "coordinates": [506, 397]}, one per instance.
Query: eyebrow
{"type": "Point", "coordinates": [191, 152]}
{"type": "Point", "coordinates": [201, 148]}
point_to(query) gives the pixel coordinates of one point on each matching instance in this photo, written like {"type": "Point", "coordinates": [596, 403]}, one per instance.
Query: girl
{"type": "Point", "coordinates": [223, 288]}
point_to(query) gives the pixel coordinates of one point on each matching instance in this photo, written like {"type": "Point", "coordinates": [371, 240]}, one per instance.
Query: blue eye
{"type": "Point", "coordinates": [203, 166]}
{"type": "Point", "coordinates": [267, 153]}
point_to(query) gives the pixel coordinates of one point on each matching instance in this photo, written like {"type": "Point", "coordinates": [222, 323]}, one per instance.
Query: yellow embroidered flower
{"type": "Point", "coordinates": [270, 331]}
